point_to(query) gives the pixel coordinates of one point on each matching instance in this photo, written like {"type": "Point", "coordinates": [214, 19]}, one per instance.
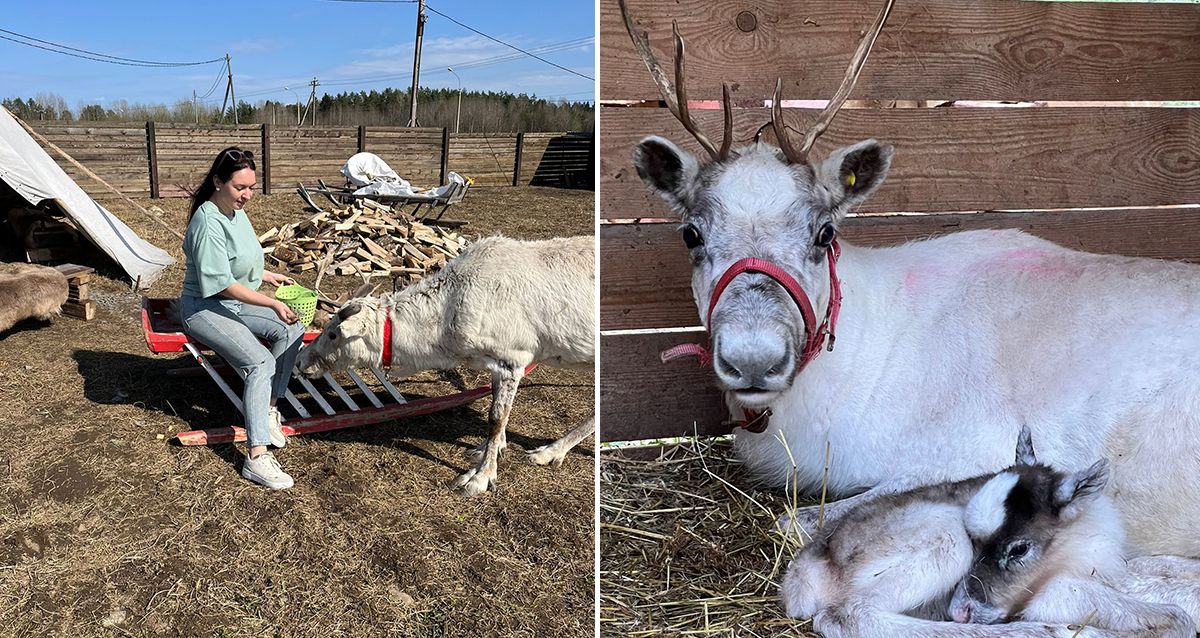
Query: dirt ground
{"type": "Point", "coordinates": [108, 530]}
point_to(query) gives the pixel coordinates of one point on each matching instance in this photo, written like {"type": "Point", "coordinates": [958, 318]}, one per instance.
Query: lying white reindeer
{"type": "Point", "coordinates": [499, 306]}
{"type": "Point", "coordinates": [1029, 543]}
{"type": "Point", "coordinates": [945, 347]}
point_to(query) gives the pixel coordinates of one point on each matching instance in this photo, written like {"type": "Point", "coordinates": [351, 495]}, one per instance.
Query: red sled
{"type": "Point", "coordinates": [164, 335]}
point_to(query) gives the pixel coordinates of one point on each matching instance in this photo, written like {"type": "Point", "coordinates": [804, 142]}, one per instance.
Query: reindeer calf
{"type": "Point", "coordinates": [1049, 545]}
{"type": "Point", "coordinates": [1050, 548]}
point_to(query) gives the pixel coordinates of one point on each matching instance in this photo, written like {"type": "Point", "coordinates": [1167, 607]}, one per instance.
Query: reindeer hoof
{"type": "Point", "coordinates": [476, 453]}
{"type": "Point", "coordinates": [545, 455]}
{"type": "Point", "coordinates": [473, 483]}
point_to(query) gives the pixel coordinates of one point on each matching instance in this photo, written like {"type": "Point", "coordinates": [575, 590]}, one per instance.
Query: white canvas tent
{"type": "Point", "coordinates": [33, 175]}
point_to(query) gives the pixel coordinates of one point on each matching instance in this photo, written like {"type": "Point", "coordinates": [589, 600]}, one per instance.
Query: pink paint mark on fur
{"type": "Point", "coordinates": [1036, 262]}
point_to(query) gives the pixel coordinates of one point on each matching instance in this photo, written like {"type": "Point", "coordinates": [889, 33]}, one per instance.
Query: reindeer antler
{"type": "Point", "coordinates": [675, 94]}
{"type": "Point", "coordinates": [835, 103]}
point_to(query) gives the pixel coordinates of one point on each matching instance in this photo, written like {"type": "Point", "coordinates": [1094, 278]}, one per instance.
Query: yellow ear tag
{"type": "Point", "coordinates": [850, 178]}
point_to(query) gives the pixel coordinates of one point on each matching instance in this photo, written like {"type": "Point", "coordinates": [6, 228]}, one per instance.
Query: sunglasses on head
{"type": "Point", "coordinates": [238, 156]}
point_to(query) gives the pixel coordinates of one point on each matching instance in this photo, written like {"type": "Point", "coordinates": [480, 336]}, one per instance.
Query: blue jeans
{"type": "Point", "coordinates": [232, 329]}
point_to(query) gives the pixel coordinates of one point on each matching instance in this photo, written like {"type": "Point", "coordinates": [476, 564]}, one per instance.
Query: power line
{"type": "Point", "coordinates": [558, 66]}
{"type": "Point", "coordinates": [220, 73]}
{"type": "Point", "coordinates": [98, 57]}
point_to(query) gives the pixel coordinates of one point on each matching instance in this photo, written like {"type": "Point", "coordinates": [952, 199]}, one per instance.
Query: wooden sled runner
{"type": "Point", "coordinates": [164, 335]}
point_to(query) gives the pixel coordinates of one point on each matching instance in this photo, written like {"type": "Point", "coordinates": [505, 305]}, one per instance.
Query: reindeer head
{"type": "Point", "coordinates": [1029, 524]}
{"type": "Point", "coordinates": [764, 201]}
{"type": "Point", "coordinates": [352, 340]}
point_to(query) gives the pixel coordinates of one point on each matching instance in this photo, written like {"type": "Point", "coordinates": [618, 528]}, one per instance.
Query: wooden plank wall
{"type": "Point", "coordinates": [116, 152]}
{"type": "Point", "coordinates": [949, 163]}
{"type": "Point", "coordinates": [119, 154]}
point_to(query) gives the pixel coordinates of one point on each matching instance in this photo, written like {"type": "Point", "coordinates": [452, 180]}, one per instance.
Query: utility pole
{"type": "Point", "coordinates": [232, 95]}
{"type": "Point", "coordinates": [312, 102]}
{"type": "Point", "coordinates": [412, 112]}
{"type": "Point", "coordinates": [228, 85]}
{"type": "Point", "coordinates": [195, 111]}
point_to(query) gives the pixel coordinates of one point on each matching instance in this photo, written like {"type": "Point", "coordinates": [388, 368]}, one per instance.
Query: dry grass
{"type": "Point", "coordinates": [107, 530]}
{"type": "Point", "coordinates": [687, 547]}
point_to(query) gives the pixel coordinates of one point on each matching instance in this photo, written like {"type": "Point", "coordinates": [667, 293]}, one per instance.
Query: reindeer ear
{"type": "Point", "coordinates": [1025, 455]}
{"type": "Point", "coordinates": [349, 310]}
{"type": "Point", "coordinates": [667, 169]}
{"type": "Point", "coordinates": [1081, 487]}
{"type": "Point", "coordinates": [852, 173]}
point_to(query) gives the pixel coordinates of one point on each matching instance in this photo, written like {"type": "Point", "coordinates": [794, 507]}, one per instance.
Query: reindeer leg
{"type": "Point", "coordinates": [863, 619]}
{"type": "Point", "coordinates": [505, 379]}
{"type": "Point", "coordinates": [1171, 580]}
{"type": "Point", "coordinates": [554, 453]}
{"type": "Point", "coordinates": [1111, 612]}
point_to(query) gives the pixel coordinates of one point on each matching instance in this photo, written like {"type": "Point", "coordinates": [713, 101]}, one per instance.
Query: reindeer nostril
{"type": "Point", "coordinates": [728, 368]}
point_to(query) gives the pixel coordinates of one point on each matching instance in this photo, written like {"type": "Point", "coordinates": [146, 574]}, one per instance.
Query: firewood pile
{"type": "Point", "coordinates": [365, 238]}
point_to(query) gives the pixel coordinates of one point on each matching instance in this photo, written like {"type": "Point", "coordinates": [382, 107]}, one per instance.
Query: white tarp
{"type": "Point", "coordinates": [373, 176]}
{"type": "Point", "coordinates": [32, 173]}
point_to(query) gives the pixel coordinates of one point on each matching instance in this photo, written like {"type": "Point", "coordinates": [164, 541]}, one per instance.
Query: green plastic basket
{"type": "Point", "coordinates": [300, 299]}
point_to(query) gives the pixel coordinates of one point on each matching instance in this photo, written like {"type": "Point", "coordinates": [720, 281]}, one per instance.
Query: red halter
{"type": "Point", "coordinates": [386, 359]}
{"type": "Point", "coordinates": [814, 338]}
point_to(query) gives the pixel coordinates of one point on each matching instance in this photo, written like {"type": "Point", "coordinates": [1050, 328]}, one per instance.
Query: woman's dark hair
{"type": "Point", "coordinates": [228, 162]}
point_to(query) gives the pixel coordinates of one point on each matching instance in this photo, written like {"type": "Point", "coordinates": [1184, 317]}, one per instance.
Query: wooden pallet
{"type": "Point", "coordinates": [79, 303]}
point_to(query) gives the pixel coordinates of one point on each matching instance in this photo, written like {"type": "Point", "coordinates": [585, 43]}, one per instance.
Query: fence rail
{"type": "Point", "coordinates": [159, 159]}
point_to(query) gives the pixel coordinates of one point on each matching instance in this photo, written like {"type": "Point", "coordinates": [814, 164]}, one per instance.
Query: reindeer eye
{"type": "Point", "coordinates": [1017, 551]}
{"type": "Point", "coordinates": [333, 334]}
{"type": "Point", "coordinates": [691, 237]}
{"type": "Point", "coordinates": [825, 235]}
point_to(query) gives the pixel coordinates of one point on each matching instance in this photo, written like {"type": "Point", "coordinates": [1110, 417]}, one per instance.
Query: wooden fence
{"type": "Point", "coordinates": [1139, 160]}
{"type": "Point", "coordinates": [155, 159]}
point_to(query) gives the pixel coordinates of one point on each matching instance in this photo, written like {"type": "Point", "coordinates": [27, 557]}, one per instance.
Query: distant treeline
{"type": "Point", "coordinates": [482, 112]}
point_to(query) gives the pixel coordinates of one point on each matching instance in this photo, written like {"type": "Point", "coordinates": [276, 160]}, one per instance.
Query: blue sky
{"type": "Point", "coordinates": [346, 46]}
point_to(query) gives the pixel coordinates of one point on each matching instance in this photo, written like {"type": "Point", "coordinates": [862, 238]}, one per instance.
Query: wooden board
{"type": "Point", "coordinates": [641, 397]}
{"type": "Point", "coordinates": [646, 281]}
{"type": "Point", "coordinates": [933, 49]}
{"type": "Point", "coordinates": [951, 159]}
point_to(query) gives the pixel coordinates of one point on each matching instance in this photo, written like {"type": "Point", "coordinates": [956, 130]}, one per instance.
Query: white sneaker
{"type": "Point", "coordinates": [264, 470]}
{"type": "Point", "coordinates": [275, 428]}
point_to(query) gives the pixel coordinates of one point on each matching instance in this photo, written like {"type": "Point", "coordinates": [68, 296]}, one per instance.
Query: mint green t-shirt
{"type": "Point", "coordinates": [220, 251]}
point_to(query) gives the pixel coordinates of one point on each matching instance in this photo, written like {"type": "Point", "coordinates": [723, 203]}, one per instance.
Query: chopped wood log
{"type": "Point", "coordinates": [365, 238]}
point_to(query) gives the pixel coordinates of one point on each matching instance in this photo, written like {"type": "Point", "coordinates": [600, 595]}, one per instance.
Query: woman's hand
{"type": "Point", "coordinates": [276, 279]}
{"type": "Point", "coordinates": [286, 314]}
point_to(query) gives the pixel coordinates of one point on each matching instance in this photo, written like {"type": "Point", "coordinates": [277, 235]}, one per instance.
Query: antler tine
{"type": "Point", "coordinates": [856, 65]}
{"type": "Point", "coordinates": [674, 94]}
{"type": "Point", "coordinates": [727, 136]}
{"type": "Point", "coordinates": [785, 143]}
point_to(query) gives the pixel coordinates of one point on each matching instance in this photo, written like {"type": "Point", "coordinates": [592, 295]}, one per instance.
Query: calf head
{"type": "Point", "coordinates": [353, 339]}
{"type": "Point", "coordinates": [764, 201]}
{"type": "Point", "coordinates": [1022, 523]}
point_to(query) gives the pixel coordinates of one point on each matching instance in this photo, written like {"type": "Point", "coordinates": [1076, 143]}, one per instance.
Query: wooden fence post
{"type": "Point", "coordinates": [591, 162]}
{"type": "Point", "coordinates": [266, 158]}
{"type": "Point", "coordinates": [445, 154]}
{"type": "Point", "coordinates": [362, 138]}
{"type": "Point", "coordinates": [152, 154]}
{"type": "Point", "coordinates": [517, 163]}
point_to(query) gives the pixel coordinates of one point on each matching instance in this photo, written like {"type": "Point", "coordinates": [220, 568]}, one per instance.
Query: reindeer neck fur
{"type": "Point", "coordinates": [418, 325]}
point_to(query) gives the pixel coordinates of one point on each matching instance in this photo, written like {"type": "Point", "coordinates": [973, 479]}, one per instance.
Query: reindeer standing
{"type": "Point", "coordinates": [945, 347]}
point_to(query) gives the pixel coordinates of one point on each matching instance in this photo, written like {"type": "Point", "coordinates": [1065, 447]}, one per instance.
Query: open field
{"type": "Point", "coordinates": [108, 530]}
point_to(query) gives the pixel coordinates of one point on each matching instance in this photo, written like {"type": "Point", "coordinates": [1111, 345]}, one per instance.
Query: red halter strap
{"type": "Point", "coordinates": [814, 335]}
{"type": "Point", "coordinates": [386, 359]}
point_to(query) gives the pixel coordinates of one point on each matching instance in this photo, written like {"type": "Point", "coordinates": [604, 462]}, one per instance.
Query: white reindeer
{"type": "Point", "coordinates": [499, 306]}
{"type": "Point", "coordinates": [1032, 545]}
{"type": "Point", "coordinates": [945, 347]}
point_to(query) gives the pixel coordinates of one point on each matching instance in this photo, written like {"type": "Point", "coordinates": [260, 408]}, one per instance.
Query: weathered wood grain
{"type": "Point", "coordinates": [932, 49]}
{"type": "Point", "coordinates": [958, 158]}
{"type": "Point", "coordinates": [646, 277]}
{"type": "Point", "coordinates": [642, 398]}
